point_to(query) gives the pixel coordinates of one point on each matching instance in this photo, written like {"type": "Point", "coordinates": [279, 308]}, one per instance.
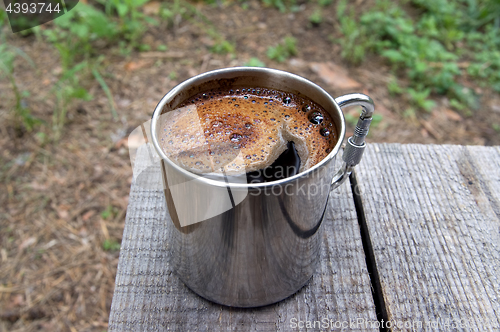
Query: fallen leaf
{"type": "Point", "coordinates": [83, 232]}
{"type": "Point", "coordinates": [104, 229]}
{"type": "Point", "coordinates": [431, 130]}
{"type": "Point", "coordinates": [62, 211]}
{"type": "Point", "coordinates": [134, 65]}
{"type": "Point", "coordinates": [335, 76]}
{"type": "Point", "coordinates": [18, 300]}
{"type": "Point", "coordinates": [151, 8]}
{"type": "Point", "coordinates": [87, 215]}
{"type": "Point", "coordinates": [452, 115]}
{"type": "Point", "coordinates": [28, 242]}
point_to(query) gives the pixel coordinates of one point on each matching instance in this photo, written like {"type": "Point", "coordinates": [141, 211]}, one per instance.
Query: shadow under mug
{"type": "Point", "coordinates": [252, 244]}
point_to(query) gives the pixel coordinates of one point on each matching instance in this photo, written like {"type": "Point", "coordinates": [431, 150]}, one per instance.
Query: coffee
{"type": "Point", "coordinates": [243, 130]}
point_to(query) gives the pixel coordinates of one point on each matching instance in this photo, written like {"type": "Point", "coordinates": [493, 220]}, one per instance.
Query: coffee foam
{"type": "Point", "coordinates": [244, 130]}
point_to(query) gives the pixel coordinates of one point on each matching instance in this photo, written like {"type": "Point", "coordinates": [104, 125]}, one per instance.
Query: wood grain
{"type": "Point", "coordinates": [433, 217]}
{"type": "Point", "coordinates": [149, 297]}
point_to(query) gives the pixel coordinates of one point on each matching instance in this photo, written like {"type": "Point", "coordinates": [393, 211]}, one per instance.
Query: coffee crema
{"type": "Point", "coordinates": [242, 130]}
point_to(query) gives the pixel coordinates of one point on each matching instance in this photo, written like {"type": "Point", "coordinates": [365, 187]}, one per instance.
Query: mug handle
{"type": "Point", "coordinates": [355, 145]}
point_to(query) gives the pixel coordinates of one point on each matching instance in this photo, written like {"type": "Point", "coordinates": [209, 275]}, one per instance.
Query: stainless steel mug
{"type": "Point", "coordinates": [245, 244]}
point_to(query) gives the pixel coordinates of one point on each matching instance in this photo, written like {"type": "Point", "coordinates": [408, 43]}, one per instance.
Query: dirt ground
{"type": "Point", "coordinates": [63, 204]}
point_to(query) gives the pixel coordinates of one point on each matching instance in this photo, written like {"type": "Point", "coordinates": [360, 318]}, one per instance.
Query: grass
{"type": "Point", "coordinates": [74, 35]}
{"type": "Point", "coordinates": [109, 212]}
{"type": "Point", "coordinates": [316, 18]}
{"type": "Point", "coordinates": [283, 50]}
{"type": "Point", "coordinates": [254, 62]}
{"type": "Point", "coordinates": [66, 90]}
{"type": "Point", "coordinates": [177, 11]}
{"type": "Point", "coordinates": [111, 245]}
{"type": "Point", "coordinates": [354, 39]}
{"type": "Point", "coordinates": [446, 42]}
{"type": "Point", "coordinates": [107, 91]}
{"type": "Point", "coordinates": [282, 5]}
{"type": "Point", "coordinates": [132, 23]}
{"type": "Point", "coordinates": [222, 46]}
{"type": "Point", "coordinates": [23, 119]}
{"type": "Point", "coordinates": [430, 52]}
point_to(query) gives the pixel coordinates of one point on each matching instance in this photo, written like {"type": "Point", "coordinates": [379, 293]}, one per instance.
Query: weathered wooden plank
{"type": "Point", "coordinates": [433, 217]}
{"type": "Point", "coordinates": [149, 297]}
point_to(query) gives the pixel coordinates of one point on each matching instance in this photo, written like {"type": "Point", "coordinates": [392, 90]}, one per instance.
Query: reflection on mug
{"type": "Point", "coordinates": [184, 192]}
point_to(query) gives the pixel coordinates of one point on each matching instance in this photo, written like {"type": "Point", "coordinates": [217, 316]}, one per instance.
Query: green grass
{"type": "Point", "coordinates": [282, 5]}
{"type": "Point", "coordinates": [428, 49]}
{"type": "Point", "coordinates": [162, 48]}
{"type": "Point", "coordinates": [132, 23]}
{"type": "Point", "coordinates": [111, 245]}
{"type": "Point", "coordinates": [316, 18]}
{"type": "Point", "coordinates": [222, 46]}
{"type": "Point", "coordinates": [283, 50]}
{"type": "Point", "coordinates": [67, 89]}
{"type": "Point", "coordinates": [109, 212]}
{"type": "Point", "coordinates": [75, 35]}
{"type": "Point", "coordinates": [254, 62]}
{"type": "Point", "coordinates": [441, 44]}
{"type": "Point", "coordinates": [23, 119]}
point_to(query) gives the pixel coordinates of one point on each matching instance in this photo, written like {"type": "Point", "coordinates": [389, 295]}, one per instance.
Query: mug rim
{"type": "Point", "coordinates": [221, 73]}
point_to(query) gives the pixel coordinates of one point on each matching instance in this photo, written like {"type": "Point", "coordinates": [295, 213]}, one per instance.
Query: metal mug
{"type": "Point", "coordinates": [244, 244]}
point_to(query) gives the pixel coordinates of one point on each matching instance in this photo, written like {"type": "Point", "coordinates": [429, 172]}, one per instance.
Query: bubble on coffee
{"type": "Point", "coordinates": [241, 130]}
